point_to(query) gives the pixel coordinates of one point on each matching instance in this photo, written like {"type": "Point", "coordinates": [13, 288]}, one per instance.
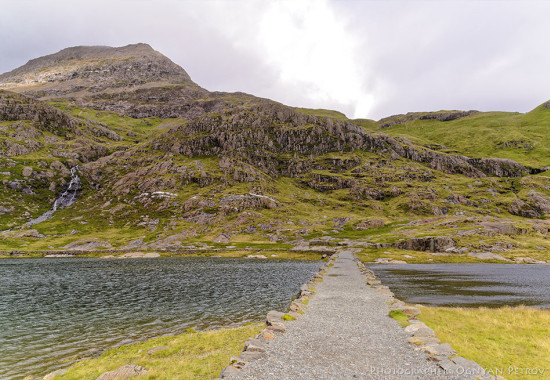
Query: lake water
{"type": "Point", "coordinates": [54, 311]}
{"type": "Point", "coordinates": [468, 285]}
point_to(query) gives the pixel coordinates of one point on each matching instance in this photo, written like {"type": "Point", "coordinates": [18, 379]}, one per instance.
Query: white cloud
{"type": "Point", "coordinates": [310, 47]}
{"type": "Point", "coordinates": [364, 58]}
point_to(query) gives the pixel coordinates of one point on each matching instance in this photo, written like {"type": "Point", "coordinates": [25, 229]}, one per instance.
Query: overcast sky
{"type": "Point", "coordinates": [368, 59]}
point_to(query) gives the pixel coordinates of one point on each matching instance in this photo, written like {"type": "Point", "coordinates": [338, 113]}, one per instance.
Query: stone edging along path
{"type": "Point", "coordinates": [275, 323]}
{"type": "Point", "coordinates": [423, 337]}
{"type": "Point", "coordinates": [347, 333]}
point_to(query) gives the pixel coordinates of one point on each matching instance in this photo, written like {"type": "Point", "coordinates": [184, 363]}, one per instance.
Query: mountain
{"type": "Point", "coordinates": [166, 164]}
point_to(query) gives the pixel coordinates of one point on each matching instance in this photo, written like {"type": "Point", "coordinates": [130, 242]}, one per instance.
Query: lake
{"type": "Point", "coordinates": [56, 310]}
{"type": "Point", "coordinates": [468, 285]}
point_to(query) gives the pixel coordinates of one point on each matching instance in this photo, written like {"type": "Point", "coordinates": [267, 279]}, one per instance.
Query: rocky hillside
{"type": "Point", "coordinates": [166, 164]}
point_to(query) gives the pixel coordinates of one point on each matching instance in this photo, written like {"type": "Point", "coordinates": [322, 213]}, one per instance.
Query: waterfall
{"type": "Point", "coordinates": [67, 198]}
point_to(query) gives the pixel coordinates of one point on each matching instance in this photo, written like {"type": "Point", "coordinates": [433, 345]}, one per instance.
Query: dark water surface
{"type": "Point", "coordinates": [55, 310]}
{"type": "Point", "coordinates": [468, 285]}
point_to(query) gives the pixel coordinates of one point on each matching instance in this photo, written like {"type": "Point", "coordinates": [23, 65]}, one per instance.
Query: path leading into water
{"type": "Point", "coordinates": [346, 333]}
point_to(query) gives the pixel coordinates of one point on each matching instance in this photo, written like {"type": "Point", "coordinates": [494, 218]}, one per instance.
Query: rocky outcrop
{"type": "Point", "coordinates": [259, 133]}
{"type": "Point", "coordinates": [427, 244]}
{"type": "Point", "coordinates": [441, 116]}
{"type": "Point", "coordinates": [521, 208]}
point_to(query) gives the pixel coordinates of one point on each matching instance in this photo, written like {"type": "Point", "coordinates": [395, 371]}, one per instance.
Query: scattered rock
{"type": "Point", "coordinates": [256, 257]}
{"type": "Point", "coordinates": [528, 260]}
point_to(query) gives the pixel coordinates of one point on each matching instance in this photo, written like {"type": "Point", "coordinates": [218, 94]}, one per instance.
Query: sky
{"type": "Point", "coordinates": [367, 59]}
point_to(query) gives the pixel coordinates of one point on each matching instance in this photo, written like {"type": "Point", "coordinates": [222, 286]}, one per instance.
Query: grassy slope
{"type": "Point", "coordinates": [303, 211]}
{"type": "Point", "coordinates": [191, 355]}
{"type": "Point", "coordinates": [505, 338]}
{"type": "Point", "coordinates": [486, 134]}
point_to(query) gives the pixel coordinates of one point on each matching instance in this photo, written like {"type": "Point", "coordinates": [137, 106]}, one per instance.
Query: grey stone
{"type": "Point", "coordinates": [424, 332]}
{"type": "Point", "coordinates": [251, 355]}
{"type": "Point", "coordinates": [52, 375]}
{"type": "Point", "coordinates": [230, 371]}
{"type": "Point", "coordinates": [124, 372]}
{"type": "Point", "coordinates": [487, 256]}
{"type": "Point", "coordinates": [274, 317]}
{"type": "Point", "coordinates": [444, 349]}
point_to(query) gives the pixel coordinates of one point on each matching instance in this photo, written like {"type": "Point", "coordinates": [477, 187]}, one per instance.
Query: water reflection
{"type": "Point", "coordinates": [468, 285]}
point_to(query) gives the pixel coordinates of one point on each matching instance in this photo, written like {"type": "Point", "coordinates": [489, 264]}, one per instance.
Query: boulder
{"type": "Point", "coordinates": [427, 244]}
{"type": "Point", "coordinates": [274, 317]}
{"type": "Point", "coordinates": [27, 171]}
{"type": "Point", "coordinates": [413, 327]}
{"type": "Point", "coordinates": [253, 344]}
{"type": "Point", "coordinates": [410, 311]}
{"type": "Point", "coordinates": [223, 238]}
{"type": "Point", "coordinates": [423, 340]}
{"type": "Point", "coordinates": [424, 332]}
{"type": "Point", "coordinates": [444, 349]}
{"type": "Point", "coordinates": [266, 334]}
{"type": "Point", "coordinates": [230, 371]}
{"type": "Point", "coordinates": [124, 372]}
{"type": "Point", "coordinates": [487, 256]}
{"type": "Point", "coordinates": [251, 355]}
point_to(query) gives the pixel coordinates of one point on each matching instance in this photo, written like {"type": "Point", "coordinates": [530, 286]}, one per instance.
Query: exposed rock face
{"type": "Point", "coordinates": [441, 116]}
{"type": "Point", "coordinates": [428, 244]}
{"type": "Point", "coordinates": [540, 201]}
{"type": "Point", "coordinates": [257, 134]}
{"type": "Point", "coordinates": [521, 208]}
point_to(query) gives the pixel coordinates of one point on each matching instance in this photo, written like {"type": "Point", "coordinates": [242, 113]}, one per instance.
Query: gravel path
{"type": "Point", "coordinates": [345, 334]}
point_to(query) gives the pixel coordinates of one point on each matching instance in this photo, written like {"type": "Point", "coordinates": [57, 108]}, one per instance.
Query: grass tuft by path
{"type": "Point", "coordinates": [192, 355]}
{"type": "Point", "coordinates": [506, 341]}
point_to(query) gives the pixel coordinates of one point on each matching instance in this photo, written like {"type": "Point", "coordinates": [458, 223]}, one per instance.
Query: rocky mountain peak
{"type": "Point", "coordinates": [84, 70]}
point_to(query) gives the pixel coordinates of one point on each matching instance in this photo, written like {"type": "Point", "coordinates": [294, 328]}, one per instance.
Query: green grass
{"type": "Point", "coordinates": [192, 355]}
{"type": "Point", "coordinates": [400, 317]}
{"type": "Point", "coordinates": [520, 137]}
{"type": "Point", "coordinates": [497, 339]}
